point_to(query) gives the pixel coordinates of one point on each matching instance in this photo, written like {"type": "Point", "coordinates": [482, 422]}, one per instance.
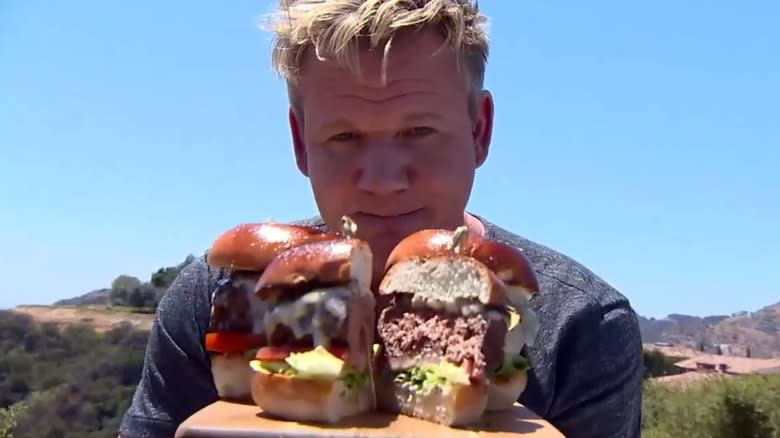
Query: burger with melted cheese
{"type": "Point", "coordinates": [320, 325]}
{"type": "Point", "coordinates": [453, 332]}
{"type": "Point", "coordinates": [236, 322]}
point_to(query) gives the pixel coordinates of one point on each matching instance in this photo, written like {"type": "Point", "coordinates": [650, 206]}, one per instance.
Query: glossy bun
{"type": "Point", "coordinates": [335, 261]}
{"type": "Point", "coordinates": [252, 246]}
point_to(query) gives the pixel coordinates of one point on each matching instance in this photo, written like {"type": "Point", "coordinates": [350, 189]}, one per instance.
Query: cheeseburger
{"type": "Point", "coordinates": [236, 322]}
{"type": "Point", "coordinates": [453, 332]}
{"type": "Point", "coordinates": [320, 326]}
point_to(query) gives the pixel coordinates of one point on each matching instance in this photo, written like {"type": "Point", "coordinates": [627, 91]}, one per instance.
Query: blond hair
{"type": "Point", "coordinates": [335, 30]}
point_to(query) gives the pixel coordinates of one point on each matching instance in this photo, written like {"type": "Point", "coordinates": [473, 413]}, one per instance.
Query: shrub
{"type": "Point", "coordinates": [740, 407]}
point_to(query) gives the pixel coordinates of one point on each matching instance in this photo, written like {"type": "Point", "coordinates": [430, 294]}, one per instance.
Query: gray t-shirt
{"type": "Point", "coordinates": [586, 375]}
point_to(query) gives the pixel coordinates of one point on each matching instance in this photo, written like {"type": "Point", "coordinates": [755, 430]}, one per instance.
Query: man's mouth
{"type": "Point", "coordinates": [385, 216]}
{"type": "Point", "coordinates": [387, 221]}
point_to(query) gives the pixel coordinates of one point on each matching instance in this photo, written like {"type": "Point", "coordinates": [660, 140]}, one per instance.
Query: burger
{"type": "Point", "coordinates": [320, 324]}
{"type": "Point", "coordinates": [455, 325]}
{"type": "Point", "coordinates": [236, 323]}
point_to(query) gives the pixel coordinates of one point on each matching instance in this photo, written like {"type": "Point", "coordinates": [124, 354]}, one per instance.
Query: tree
{"type": "Point", "coordinates": [125, 282]}
{"type": "Point", "coordinates": [658, 364]}
{"type": "Point", "coordinates": [163, 277]}
{"type": "Point", "coordinates": [9, 418]}
{"type": "Point", "coordinates": [743, 417]}
{"type": "Point", "coordinates": [136, 298]}
{"type": "Point", "coordinates": [121, 290]}
{"type": "Point", "coordinates": [118, 297]}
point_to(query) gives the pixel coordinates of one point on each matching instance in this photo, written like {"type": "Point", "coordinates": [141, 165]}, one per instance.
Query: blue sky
{"type": "Point", "coordinates": [642, 140]}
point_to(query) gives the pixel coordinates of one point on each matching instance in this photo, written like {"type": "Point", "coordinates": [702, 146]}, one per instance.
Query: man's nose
{"type": "Point", "coordinates": [385, 168]}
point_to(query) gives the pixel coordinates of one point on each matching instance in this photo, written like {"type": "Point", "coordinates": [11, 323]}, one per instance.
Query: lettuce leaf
{"type": "Point", "coordinates": [425, 378]}
{"type": "Point", "coordinates": [272, 367]}
{"type": "Point", "coordinates": [250, 354]}
{"type": "Point", "coordinates": [511, 365]}
{"type": "Point", "coordinates": [317, 363]}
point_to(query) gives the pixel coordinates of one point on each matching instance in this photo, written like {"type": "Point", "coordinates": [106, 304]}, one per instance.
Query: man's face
{"type": "Point", "coordinates": [397, 157]}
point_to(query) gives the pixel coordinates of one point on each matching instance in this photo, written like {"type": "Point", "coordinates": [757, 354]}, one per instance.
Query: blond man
{"type": "Point", "coordinates": [389, 121]}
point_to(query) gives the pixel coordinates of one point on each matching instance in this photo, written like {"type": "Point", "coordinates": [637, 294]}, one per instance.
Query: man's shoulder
{"type": "Point", "coordinates": [192, 287]}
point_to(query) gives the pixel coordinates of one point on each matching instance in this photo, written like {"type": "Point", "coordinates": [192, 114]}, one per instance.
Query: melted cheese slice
{"type": "Point", "coordinates": [320, 313]}
{"type": "Point", "coordinates": [523, 329]}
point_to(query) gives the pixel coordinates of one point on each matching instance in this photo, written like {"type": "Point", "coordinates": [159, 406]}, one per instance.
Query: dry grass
{"type": "Point", "coordinates": [99, 317]}
{"type": "Point", "coordinates": [672, 350]}
{"type": "Point", "coordinates": [690, 379]}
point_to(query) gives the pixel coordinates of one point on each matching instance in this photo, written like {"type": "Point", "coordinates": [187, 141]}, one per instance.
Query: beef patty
{"type": "Point", "coordinates": [413, 336]}
{"type": "Point", "coordinates": [234, 306]}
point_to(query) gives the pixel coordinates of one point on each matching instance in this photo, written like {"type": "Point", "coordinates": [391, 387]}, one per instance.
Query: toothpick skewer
{"type": "Point", "coordinates": [348, 226]}
{"type": "Point", "coordinates": [349, 229]}
{"type": "Point", "coordinates": [459, 238]}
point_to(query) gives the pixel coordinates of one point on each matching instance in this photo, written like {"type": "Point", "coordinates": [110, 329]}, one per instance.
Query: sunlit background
{"type": "Point", "coordinates": [641, 139]}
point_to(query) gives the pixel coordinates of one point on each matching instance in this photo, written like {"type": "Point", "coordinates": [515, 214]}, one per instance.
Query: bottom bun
{"type": "Point", "coordinates": [313, 400]}
{"type": "Point", "coordinates": [232, 377]}
{"type": "Point", "coordinates": [503, 393]}
{"type": "Point", "coordinates": [461, 405]}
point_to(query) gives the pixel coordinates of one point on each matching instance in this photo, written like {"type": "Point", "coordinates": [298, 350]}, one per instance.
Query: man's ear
{"type": "Point", "coordinates": [299, 147]}
{"type": "Point", "coordinates": [483, 127]}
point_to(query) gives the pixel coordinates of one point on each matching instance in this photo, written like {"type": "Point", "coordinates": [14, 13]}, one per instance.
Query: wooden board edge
{"type": "Point", "coordinates": [193, 428]}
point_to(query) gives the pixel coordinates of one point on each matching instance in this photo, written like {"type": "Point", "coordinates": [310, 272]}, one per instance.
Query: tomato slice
{"type": "Point", "coordinates": [278, 353]}
{"type": "Point", "coordinates": [225, 342]}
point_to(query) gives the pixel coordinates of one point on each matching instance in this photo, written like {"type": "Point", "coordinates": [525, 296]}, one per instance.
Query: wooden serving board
{"type": "Point", "coordinates": [235, 420]}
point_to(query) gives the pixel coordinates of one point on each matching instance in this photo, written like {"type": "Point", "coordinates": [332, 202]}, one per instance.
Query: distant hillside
{"type": "Point", "coordinates": [758, 332]}
{"type": "Point", "coordinates": [96, 297]}
{"type": "Point", "coordinates": [127, 290]}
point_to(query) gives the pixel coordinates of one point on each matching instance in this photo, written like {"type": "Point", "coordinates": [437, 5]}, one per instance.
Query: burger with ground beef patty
{"type": "Point", "coordinates": [453, 332]}
{"type": "Point", "coordinates": [320, 325]}
{"type": "Point", "coordinates": [236, 328]}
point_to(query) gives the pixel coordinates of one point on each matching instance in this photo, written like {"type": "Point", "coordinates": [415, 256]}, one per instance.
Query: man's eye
{"type": "Point", "coordinates": [344, 136]}
{"type": "Point", "coordinates": [419, 131]}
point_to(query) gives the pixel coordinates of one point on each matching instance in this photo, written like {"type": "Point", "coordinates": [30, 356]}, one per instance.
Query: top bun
{"type": "Point", "coordinates": [252, 246]}
{"type": "Point", "coordinates": [336, 261]}
{"type": "Point", "coordinates": [508, 263]}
